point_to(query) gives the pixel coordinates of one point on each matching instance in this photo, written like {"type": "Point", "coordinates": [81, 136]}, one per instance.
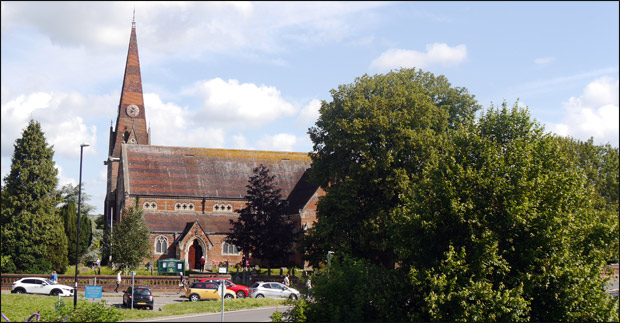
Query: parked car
{"type": "Point", "coordinates": [273, 290]}
{"type": "Point", "coordinates": [37, 285]}
{"type": "Point", "coordinates": [142, 297]}
{"type": "Point", "coordinates": [204, 290]}
{"type": "Point", "coordinates": [240, 290]}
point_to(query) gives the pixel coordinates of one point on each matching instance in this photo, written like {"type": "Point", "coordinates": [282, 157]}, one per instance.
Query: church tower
{"type": "Point", "coordinates": [130, 124]}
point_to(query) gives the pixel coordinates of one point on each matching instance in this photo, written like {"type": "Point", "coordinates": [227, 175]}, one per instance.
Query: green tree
{"type": "Point", "coordinates": [129, 242]}
{"type": "Point", "coordinates": [32, 233]}
{"type": "Point", "coordinates": [70, 193]}
{"type": "Point", "coordinates": [94, 250]}
{"type": "Point", "coordinates": [69, 214]}
{"type": "Point", "coordinates": [370, 144]}
{"type": "Point", "coordinates": [261, 229]}
{"type": "Point", "coordinates": [600, 164]}
{"type": "Point", "coordinates": [453, 221]}
{"type": "Point", "coordinates": [502, 218]}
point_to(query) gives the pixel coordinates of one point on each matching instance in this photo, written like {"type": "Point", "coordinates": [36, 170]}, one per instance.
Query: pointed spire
{"type": "Point", "coordinates": [132, 82]}
{"type": "Point", "coordinates": [131, 114]}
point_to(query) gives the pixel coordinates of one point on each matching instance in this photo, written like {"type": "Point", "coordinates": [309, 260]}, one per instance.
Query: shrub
{"type": "Point", "coordinates": [7, 265]}
{"type": "Point", "coordinates": [86, 312]}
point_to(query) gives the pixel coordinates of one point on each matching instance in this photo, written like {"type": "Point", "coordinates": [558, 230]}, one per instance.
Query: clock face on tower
{"type": "Point", "coordinates": [133, 110]}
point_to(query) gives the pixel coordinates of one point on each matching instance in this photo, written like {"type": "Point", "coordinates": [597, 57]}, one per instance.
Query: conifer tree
{"type": "Point", "coordinates": [68, 213]}
{"type": "Point", "coordinates": [261, 229]}
{"type": "Point", "coordinates": [32, 233]}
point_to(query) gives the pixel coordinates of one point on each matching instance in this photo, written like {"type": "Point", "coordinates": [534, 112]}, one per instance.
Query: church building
{"type": "Point", "coordinates": [189, 195]}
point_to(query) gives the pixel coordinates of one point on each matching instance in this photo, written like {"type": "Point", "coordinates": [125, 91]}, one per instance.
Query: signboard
{"type": "Point", "coordinates": [223, 270]}
{"type": "Point", "coordinates": [92, 292]}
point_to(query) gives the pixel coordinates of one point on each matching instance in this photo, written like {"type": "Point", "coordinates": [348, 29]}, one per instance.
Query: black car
{"type": "Point", "coordinates": [142, 297]}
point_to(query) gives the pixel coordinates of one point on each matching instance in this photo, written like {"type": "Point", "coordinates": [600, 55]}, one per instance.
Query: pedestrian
{"type": "Point", "coordinates": [286, 281]}
{"type": "Point", "coordinates": [309, 286]}
{"type": "Point", "coordinates": [182, 284]}
{"type": "Point", "coordinates": [54, 277]}
{"type": "Point", "coordinates": [118, 281]}
{"type": "Point", "coordinates": [202, 263]}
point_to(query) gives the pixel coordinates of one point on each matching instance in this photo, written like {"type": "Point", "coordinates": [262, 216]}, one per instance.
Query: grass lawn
{"type": "Point", "coordinates": [18, 307]}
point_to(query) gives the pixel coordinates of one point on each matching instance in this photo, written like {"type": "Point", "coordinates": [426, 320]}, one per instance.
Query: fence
{"type": "Point", "coordinates": [108, 282]}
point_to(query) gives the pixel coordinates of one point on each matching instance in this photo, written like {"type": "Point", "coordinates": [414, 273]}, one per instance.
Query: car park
{"type": "Point", "coordinates": [37, 285]}
{"type": "Point", "coordinates": [273, 290]}
{"type": "Point", "coordinates": [142, 297]}
{"type": "Point", "coordinates": [240, 290]}
{"type": "Point", "coordinates": [207, 290]}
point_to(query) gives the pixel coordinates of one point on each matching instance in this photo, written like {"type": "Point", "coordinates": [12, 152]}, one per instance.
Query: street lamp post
{"type": "Point", "coordinates": [77, 236]}
{"type": "Point", "coordinates": [329, 261]}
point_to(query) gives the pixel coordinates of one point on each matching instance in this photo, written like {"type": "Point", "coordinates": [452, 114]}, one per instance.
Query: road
{"type": "Point", "coordinates": [262, 314]}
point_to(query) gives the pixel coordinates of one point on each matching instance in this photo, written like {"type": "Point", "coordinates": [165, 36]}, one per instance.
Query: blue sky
{"type": "Point", "coordinates": [251, 75]}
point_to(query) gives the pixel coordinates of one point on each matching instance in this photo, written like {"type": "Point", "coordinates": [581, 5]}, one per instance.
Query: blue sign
{"type": "Point", "coordinates": [93, 292]}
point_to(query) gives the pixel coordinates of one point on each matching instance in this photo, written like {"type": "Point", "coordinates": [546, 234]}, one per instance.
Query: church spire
{"type": "Point", "coordinates": [131, 121]}
{"type": "Point", "coordinates": [130, 124]}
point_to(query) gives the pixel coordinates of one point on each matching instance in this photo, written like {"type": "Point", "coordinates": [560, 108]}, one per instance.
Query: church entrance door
{"type": "Point", "coordinates": [194, 255]}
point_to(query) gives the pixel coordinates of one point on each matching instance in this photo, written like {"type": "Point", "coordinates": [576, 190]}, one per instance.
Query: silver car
{"type": "Point", "coordinates": [273, 290]}
{"type": "Point", "coordinates": [37, 285]}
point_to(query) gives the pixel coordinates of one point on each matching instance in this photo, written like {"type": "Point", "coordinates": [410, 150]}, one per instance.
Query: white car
{"type": "Point", "coordinates": [273, 290]}
{"type": "Point", "coordinates": [37, 285]}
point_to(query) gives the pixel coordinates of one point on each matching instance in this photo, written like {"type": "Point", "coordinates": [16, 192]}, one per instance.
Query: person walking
{"type": "Point", "coordinates": [287, 282]}
{"type": "Point", "coordinates": [118, 281]}
{"type": "Point", "coordinates": [202, 263]}
{"type": "Point", "coordinates": [182, 283]}
{"type": "Point", "coordinates": [54, 277]}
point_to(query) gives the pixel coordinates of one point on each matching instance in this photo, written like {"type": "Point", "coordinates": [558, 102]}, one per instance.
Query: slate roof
{"type": "Point", "coordinates": [210, 173]}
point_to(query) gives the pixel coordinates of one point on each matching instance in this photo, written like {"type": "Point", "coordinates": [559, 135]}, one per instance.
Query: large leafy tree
{"type": "Point", "coordinates": [504, 220]}
{"type": "Point", "coordinates": [129, 241]}
{"type": "Point", "coordinates": [261, 229]}
{"type": "Point", "coordinates": [370, 144]}
{"type": "Point", "coordinates": [32, 232]}
{"type": "Point", "coordinates": [484, 220]}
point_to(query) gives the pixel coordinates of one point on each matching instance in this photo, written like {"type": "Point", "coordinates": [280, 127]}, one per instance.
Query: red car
{"type": "Point", "coordinates": [240, 290]}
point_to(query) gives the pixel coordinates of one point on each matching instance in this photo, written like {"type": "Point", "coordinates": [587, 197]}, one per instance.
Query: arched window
{"type": "Point", "coordinates": [161, 245]}
{"type": "Point", "coordinates": [229, 249]}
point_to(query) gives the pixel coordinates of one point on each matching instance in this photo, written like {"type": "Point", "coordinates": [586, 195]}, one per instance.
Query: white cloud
{"type": "Point", "coordinates": [189, 28]}
{"type": "Point", "coordinates": [62, 179]}
{"type": "Point", "coordinates": [594, 114]}
{"type": "Point", "coordinates": [279, 142]}
{"type": "Point", "coordinates": [240, 104]}
{"type": "Point", "coordinates": [436, 54]}
{"type": "Point", "coordinates": [240, 142]}
{"type": "Point", "coordinates": [58, 115]}
{"type": "Point", "coordinates": [68, 135]}
{"type": "Point", "coordinates": [309, 114]}
{"type": "Point", "coordinates": [173, 125]}
{"type": "Point", "coordinates": [544, 60]}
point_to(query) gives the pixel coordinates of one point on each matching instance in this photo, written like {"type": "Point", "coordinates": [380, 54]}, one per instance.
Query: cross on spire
{"type": "Point", "coordinates": [133, 22]}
